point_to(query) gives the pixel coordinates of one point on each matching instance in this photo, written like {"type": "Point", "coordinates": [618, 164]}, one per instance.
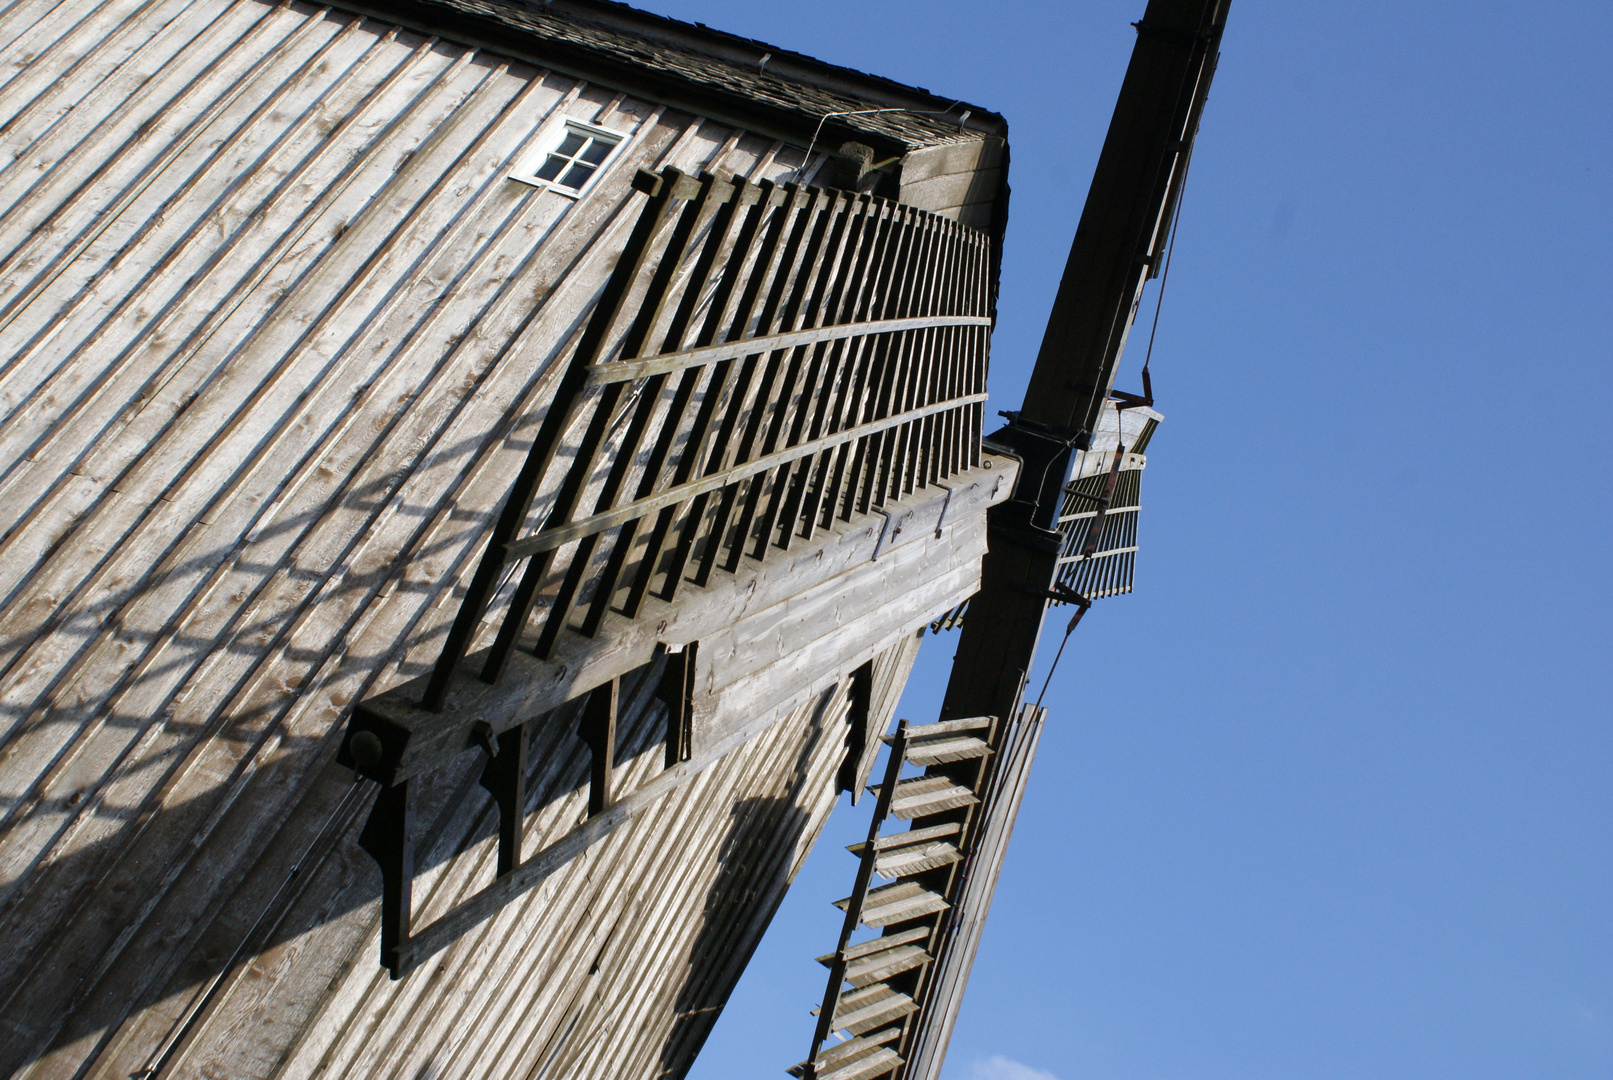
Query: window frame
{"type": "Point", "coordinates": [551, 139]}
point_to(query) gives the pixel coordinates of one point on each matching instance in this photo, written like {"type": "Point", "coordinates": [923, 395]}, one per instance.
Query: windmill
{"type": "Point", "coordinates": [1066, 537]}
{"type": "Point", "coordinates": [476, 475]}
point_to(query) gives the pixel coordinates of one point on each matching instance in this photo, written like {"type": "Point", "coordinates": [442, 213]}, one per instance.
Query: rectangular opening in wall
{"type": "Point", "coordinates": [570, 157]}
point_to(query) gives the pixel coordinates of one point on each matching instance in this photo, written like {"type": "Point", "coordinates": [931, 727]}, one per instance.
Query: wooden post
{"type": "Point", "coordinates": [388, 838]}
{"type": "Point", "coordinates": [505, 777]}
{"type": "Point", "coordinates": [862, 692]}
{"type": "Point", "coordinates": [598, 730]}
{"type": "Point", "coordinates": [676, 690]}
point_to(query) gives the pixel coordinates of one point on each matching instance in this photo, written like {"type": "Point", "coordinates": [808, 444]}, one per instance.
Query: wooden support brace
{"type": "Point", "coordinates": [388, 837]}
{"type": "Point", "coordinates": [504, 776]}
{"type": "Point", "coordinates": [598, 730]}
{"type": "Point", "coordinates": [676, 691]}
{"type": "Point", "coordinates": [857, 744]}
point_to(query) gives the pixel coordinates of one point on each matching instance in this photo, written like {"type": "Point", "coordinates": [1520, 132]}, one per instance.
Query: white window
{"type": "Point", "coordinates": [569, 159]}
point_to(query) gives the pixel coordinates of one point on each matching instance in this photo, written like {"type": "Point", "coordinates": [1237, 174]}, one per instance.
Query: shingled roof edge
{"type": "Point", "coordinates": [598, 40]}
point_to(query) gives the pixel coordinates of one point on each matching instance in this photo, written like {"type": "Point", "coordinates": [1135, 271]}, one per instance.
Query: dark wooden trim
{"type": "Point", "coordinates": [676, 691]}
{"type": "Point", "coordinates": [597, 728]}
{"type": "Point", "coordinates": [862, 689]}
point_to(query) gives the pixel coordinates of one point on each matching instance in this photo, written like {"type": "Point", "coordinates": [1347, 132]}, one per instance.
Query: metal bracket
{"type": "Point", "coordinates": [946, 504]}
{"type": "Point", "coordinates": [1031, 513]}
{"type": "Point", "coordinates": [1064, 594]}
{"type": "Point", "coordinates": [885, 533]}
{"type": "Point", "coordinates": [1125, 400]}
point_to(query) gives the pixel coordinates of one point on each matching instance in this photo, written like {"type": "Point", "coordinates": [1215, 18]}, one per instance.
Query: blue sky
{"type": "Point", "coordinates": [1329, 796]}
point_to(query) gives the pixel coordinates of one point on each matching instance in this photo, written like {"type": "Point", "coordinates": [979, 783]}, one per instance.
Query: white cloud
{"type": "Point", "coordinates": [997, 1067]}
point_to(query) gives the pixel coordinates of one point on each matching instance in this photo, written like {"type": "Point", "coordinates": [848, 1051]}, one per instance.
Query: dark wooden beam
{"type": "Point", "coordinates": [857, 741]}
{"type": "Point", "coordinates": [388, 837]}
{"type": "Point", "coordinates": [504, 776]}
{"type": "Point", "coordinates": [1117, 247]}
{"type": "Point", "coordinates": [598, 730]}
{"type": "Point", "coordinates": [676, 691]}
{"type": "Point", "coordinates": [1122, 230]}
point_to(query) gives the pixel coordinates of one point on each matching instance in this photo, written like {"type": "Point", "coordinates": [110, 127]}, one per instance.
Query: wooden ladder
{"type": "Point", "coordinates": [872, 984]}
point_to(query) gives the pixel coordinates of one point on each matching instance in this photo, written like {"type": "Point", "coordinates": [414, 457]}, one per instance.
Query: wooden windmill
{"type": "Point", "coordinates": [474, 478]}
{"type": "Point", "coordinates": [1067, 536]}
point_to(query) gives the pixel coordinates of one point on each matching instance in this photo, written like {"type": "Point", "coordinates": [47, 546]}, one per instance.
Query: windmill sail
{"type": "Point", "coordinates": [1067, 533]}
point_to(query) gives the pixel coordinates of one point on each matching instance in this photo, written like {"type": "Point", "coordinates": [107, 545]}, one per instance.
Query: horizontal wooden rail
{"type": "Point", "coordinates": [1086, 515]}
{"type": "Point", "coordinates": [1098, 555]}
{"type": "Point", "coordinates": [553, 538]}
{"type": "Point", "coordinates": [620, 371]}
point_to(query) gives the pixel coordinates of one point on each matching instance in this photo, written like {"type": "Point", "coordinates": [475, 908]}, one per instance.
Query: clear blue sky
{"type": "Point", "coordinates": [1329, 796]}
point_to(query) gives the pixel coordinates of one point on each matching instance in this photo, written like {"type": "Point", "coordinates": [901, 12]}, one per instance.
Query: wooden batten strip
{"type": "Point", "coordinates": [112, 70]}
{"type": "Point", "coordinates": [628, 370]}
{"type": "Point", "coordinates": [553, 538]}
{"type": "Point", "coordinates": [274, 502]}
{"type": "Point", "coordinates": [131, 621]}
{"type": "Point", "coordinates": [646, 989]}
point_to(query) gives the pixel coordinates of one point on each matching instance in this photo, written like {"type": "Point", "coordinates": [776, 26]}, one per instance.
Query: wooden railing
{"type": "Point", "coordinates": [790, 356]}
{"type": "Point", "coordinates": [763, 362]}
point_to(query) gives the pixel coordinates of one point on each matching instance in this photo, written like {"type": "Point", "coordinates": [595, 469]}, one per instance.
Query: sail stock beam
{"type": "Point", "coordinates": [1077, 533]}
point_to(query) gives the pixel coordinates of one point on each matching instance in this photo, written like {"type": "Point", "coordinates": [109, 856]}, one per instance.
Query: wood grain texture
{"type": "Point", "coordinates": [275, 327]}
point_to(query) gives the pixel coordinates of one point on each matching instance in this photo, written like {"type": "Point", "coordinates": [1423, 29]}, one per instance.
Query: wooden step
{"type": "Point", "coordinates": [861, 1011]}
{"type": "Point", "coordinates": [915, 859]}
{"type": "Point", "coordinates": [848, 1054]}
{"type": "Point", "coordinates": [951, 748]}
{"type": "Point", "coordinates": [945, 727]}
{"type": "Point", "coordinates": [879, 944]}
{"type": "Point", "coordinates": [878, 1063]}
{"type": "Point", "coordinates": [882, 965]}
{"type": "Point", "coordinates": [908, 838]}
{"type": "Point", "coordinates": [889, 956]}
{"type": "Point", "coordinates": [927, 795]}
{"type": "Point", "coordinates": [897, 903]}
{"type": "Point", "coordinates": [912, 852]}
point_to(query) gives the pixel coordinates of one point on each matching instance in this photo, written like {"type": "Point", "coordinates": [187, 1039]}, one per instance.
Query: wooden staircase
{"type": "Point", "coordinates": [873, 984]}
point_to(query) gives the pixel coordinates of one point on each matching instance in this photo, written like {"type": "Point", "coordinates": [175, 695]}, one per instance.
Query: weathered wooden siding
{"type": "Point", "coordinates": [635, 938]}
{"type": "Point", "coordinates": [270, 307]}
{"type": "Point", "coordinates": [275, 328]}
{"type": "Point", "coordinates": [961, 180]}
